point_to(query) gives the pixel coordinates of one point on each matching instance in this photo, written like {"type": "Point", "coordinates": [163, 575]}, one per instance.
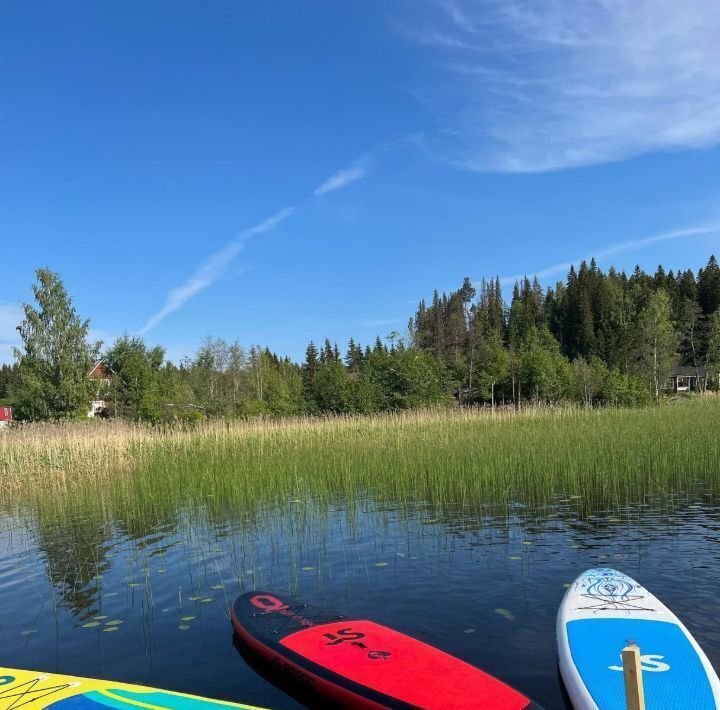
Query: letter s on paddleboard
{"type": "Point", "coordinates": [651, 663]}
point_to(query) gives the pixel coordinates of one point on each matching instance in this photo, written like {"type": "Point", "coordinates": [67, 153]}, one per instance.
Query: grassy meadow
{"type": "Point", "coordinates": [606, 458]}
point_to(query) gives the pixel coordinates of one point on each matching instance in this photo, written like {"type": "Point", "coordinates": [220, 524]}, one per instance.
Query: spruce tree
{"type": "Point", "coordinates": [328, 354]}
{"type": "Point", "coordinates": [311, 363]}
{"type": "Point", "coordinates": [350, 354]}
{"type": "Point", "coordinates": [709, 287]}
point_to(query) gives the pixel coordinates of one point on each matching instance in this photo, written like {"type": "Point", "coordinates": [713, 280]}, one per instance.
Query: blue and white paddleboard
{"type": "Point", "coordinates": [600, 614]}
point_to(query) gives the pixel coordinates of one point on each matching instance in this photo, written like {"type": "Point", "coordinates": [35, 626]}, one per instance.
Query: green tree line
{"type": "Point", "coordinates": [596, 338]}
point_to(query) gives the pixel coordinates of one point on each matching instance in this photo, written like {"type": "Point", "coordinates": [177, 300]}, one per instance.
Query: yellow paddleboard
{"type": "Point", "coordinates": [31, 690]}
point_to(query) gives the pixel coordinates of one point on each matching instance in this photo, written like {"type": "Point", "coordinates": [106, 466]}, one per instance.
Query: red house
{"type": "Point", "coordinates": [101, 375]}
{"type": "Point", "coordinates": [5, 415]}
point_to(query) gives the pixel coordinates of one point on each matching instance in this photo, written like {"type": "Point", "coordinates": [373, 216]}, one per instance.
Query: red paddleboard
{"type": "Point", "coordinates": [361, 664]}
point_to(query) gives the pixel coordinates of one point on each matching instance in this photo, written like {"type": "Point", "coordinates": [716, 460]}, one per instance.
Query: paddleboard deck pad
{"type": "Point", "coordinates": [30, 690]}
{"type": "Point", "coordinates": [603, 611]}
{"type": "Point", "coordinates": [360, 664]}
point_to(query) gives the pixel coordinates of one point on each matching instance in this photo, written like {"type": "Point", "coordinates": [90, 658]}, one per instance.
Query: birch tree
{"type": "Point", "coordinates": [55, 357]}
{"type": "Point", "coordinates": [656, 342]}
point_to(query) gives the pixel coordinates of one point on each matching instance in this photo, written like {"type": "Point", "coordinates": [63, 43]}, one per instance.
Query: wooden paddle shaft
{"type": "Point", "coordinates": [632, 671]}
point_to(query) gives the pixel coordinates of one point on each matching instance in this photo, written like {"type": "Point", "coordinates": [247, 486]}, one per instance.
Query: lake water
{"type": "Point", "coordinates": [90, 593]}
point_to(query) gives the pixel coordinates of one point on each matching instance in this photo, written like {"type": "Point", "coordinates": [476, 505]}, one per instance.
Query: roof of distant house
{"type": "Point", "coordinates": [101, 371]}
{"type": "Point", "coordinates": [688, 371]}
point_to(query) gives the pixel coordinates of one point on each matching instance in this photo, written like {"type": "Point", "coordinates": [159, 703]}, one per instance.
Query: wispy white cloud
{"type": "Point", "coordinates": [604, 253]}
{"type": "Point", "coordinates": [216, 265]}
{"type": "Point", "coordinates": [213, 268]}
{"type": "Point", "coordinates": [346, 176]}
{"type": "Point", "coordinates": [542, 86]}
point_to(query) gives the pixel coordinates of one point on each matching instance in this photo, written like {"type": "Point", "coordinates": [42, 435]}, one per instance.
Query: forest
{"type": "Point", "coordinates": [596, 338]}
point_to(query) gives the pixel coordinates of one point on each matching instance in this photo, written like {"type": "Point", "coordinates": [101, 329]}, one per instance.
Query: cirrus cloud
{"type": "Point", "coordinates": [344, 177]}
{"type": "Point", "coordinates": [531, 87]}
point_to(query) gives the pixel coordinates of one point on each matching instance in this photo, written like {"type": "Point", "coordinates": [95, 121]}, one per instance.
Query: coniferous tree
{"type": "Point", "coordinates": [311, 364]}
{"type": "Point", "coordinates": [328, 353]}
{"type": "Point", "coordinates": [709, 287]}
{"type": "Point", "coordinates": [350, 356]}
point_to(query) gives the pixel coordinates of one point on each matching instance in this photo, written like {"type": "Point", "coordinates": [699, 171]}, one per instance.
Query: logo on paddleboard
{"type": "Point", "coordinates": [353, 638]}
{"type": "Point", "coordinates": [651, 663]}
{"type": "Point", "coordinates": [270, 604]}
{"type": "Point", "coordinates": [378, 655]}
{"type": "Point", "coordinates": [342, 635]}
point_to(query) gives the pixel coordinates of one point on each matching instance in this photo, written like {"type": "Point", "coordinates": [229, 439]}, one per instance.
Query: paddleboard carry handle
{"type": "Point", "coordinates": [632, 672]}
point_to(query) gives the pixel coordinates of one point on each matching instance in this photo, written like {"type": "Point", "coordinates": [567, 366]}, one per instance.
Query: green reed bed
{"type": "Point", "coordinates": [597, 458]}
{"type": "Point", "coordinates": [605, 457]}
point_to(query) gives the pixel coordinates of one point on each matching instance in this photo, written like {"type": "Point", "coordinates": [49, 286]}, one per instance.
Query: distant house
{"type": "Point", "coordinates": [686, 378]}
{"type": "Point", "coordinates": [5, 416]}
{"type": "Point", "coordinates": [101, 375]}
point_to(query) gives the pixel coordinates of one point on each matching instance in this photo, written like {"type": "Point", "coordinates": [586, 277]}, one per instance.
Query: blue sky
{"type": "Point", "coordinates": [273, 172]}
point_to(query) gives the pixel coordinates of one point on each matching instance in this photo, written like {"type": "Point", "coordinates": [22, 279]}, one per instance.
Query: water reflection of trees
{"type": "Point", "coordinates": [74, 547]}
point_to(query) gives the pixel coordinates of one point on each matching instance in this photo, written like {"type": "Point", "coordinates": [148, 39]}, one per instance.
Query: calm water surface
{"type": "Point", "coordinates": [90, 593]}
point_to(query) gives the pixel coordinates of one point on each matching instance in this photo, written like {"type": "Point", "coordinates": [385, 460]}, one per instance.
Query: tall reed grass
{"type": "Point", "coordinates": [455, 458]}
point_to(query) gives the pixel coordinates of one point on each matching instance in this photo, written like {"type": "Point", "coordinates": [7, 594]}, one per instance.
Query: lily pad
{"type": "Point", "coordinates": [506, 614]}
